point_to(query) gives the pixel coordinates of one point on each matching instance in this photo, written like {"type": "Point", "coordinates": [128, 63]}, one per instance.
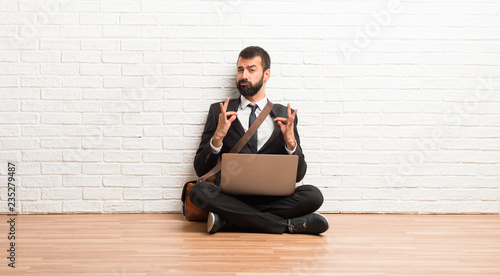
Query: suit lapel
{"type": "Point", "coordinates": [276, 131]}
{"type": "Point", "coordinates": [233, 106]}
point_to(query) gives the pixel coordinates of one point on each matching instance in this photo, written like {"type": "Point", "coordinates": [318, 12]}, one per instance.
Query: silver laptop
{"type": "Point", "coordinates": [258, 174]}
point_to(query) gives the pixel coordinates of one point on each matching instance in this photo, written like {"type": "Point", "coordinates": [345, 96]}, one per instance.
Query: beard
{"type": "Point", "coordinates": [250, 90]}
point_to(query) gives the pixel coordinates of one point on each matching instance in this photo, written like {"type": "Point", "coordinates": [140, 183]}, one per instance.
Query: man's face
{"type": "Point", "coordinates": [250, 77]}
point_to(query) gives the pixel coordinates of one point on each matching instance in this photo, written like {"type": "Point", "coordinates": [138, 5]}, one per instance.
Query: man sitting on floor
{"type": "Point", "coordinates": [225, 125]}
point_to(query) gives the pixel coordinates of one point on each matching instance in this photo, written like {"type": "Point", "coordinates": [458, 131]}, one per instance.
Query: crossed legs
{"type": "Point", "coordinates": [258, 213]}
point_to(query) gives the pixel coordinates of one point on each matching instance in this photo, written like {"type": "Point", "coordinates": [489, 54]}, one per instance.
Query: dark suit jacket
{"type": "Point", "coordinates": [205, 160]}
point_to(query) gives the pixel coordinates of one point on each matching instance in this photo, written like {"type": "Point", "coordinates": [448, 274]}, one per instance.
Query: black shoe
{"type": "Point", "coordinates": [215, 223]}
{"type": "Point", "coordinates": [309, 224]}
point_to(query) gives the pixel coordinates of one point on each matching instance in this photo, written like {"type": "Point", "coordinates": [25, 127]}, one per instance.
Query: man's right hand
{"type": "Point", "coordinates": [224, 124]}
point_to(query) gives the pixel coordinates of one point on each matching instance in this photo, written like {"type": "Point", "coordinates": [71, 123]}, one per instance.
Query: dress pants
{"type": "Point", "coordinates": [257, 213]}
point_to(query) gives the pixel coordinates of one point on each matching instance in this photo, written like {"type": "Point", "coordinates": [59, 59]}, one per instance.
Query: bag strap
{"type": "Point", "coordinates": [253, 128]}
{"type": "Point", "coordinates": [243, 140]}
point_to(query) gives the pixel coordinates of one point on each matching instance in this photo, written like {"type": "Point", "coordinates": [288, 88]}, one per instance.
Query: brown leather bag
{"type": "Point", "coordinates": [189, 210]}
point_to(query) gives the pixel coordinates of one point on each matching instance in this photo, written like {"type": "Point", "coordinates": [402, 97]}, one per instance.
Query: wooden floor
{"type": "Point", "coordinates": [165, 244]}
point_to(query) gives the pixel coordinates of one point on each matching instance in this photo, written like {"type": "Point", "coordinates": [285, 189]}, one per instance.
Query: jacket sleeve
{"type": "Point", "coordinates": [205, 159]}
{"type": "Point", "coordinates": [302, 167]}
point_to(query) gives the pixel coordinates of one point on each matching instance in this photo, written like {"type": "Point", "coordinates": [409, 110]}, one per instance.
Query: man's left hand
{"type": "Point", "coordinates": [287, 128]}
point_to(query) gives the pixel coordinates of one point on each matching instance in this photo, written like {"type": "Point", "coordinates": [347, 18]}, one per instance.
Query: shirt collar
{"type": "Point", "coordinates": [261, 104]}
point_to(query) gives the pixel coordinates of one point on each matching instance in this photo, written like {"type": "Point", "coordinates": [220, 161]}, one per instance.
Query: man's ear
{"type": "Point", "coordinates": [267, 75]}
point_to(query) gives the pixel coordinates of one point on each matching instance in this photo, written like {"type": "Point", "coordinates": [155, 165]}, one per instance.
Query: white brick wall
{"type": "Point", "coordinates": [102, 102]}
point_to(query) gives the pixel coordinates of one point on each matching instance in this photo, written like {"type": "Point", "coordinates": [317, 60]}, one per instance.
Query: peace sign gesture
{"type": "Point", "coordinates": [224, 124]}
{"type": "Point", "coordinates": [287, 129]}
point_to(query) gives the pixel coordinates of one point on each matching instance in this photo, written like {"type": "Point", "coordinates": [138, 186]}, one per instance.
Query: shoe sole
{"type": "Point", "coordinates": [210, 222]}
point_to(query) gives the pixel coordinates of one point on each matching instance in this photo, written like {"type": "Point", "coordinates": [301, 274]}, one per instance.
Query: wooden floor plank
{"type": "Point", "coordinates": [166, 244]}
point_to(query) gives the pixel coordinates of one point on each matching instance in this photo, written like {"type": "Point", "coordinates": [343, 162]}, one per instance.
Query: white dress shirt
{"type": "Point", "coordinates": [264, 131]}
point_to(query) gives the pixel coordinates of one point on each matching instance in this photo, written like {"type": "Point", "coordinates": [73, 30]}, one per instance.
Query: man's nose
{"type": "Point", "coordinates": [245, 75]}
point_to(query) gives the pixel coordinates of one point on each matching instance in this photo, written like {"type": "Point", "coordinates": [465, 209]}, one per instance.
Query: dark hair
{"type": "Point", "coordinates": [254, 51]}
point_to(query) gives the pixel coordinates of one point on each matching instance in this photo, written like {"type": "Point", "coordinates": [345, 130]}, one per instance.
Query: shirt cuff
{"type": "Point", "coordinates": [290, 152]}
{"type": "Point", "coordinates": [214, 149]}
